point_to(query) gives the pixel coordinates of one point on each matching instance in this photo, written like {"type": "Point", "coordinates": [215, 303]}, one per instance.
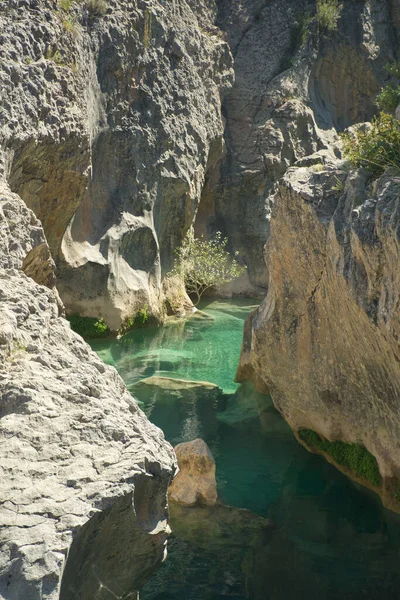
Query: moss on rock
{"type": "Point", "coordinates": [89, 327]}
{"type": "Point", "coordinates": [354, 457]}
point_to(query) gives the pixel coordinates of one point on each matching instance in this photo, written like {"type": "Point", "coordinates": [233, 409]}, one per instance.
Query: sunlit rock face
{"type": "Point", "coordinates": [83, 473]}
{"type": "Point", "coordinates": [325, 340]}
{"type": "Point", "coordinates": [110, 123]}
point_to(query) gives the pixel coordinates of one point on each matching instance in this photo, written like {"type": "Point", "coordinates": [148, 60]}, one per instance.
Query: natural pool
{"type": "Point", "coordinates": [327, 538]}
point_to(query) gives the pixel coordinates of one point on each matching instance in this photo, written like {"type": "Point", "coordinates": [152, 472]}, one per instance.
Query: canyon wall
{"type": "Point", "coordinates": [325, 340]}
{"type": "Point", "coordinates": [110, 121]}
{"type": "Point", "coordinates": [84, 475]}
{"type": "Point", "coordinates": [122, 125]}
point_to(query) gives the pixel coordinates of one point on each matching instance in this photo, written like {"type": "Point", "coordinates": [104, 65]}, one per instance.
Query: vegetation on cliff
{"type": "Point", "coordinates": [354, 457]}
{"type": "Point", "coordinates": [388, 98]}
{"type": "Point", "coordinates": [89, 327]}
{"type": "Point", "coordinates": [375, 148]}
{"type": "Point", "coordinates": [328, 14]}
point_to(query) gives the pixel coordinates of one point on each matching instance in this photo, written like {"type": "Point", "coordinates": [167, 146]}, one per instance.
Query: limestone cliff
{"type": "Point", "coordinates": [325, 340]}
{"type": "Point", "coordinates": [110, 119]}
{"type": "Point", "coordinates": [280, 55]}
{"type": "Point", "coordinates": [123, 124]}
{"type": "Point", "coordinates": [83, 473]}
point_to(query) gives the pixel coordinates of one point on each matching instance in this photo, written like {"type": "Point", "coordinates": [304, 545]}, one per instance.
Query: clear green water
{"type": "Point", "coordinates": [328, 538]}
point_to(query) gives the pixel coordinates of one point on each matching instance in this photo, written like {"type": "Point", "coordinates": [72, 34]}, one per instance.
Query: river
{"type": "Point", "coordinates": [325, 539]}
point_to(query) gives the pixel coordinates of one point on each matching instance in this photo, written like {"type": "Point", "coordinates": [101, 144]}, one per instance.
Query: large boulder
{"type": "Point", "coordinates": [195, 483]}
{"type": "Point", "coordinates": [83, 473]}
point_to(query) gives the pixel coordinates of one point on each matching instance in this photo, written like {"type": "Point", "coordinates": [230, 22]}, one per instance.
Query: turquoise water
{"type": "Point", "coordinates": [327, 538]}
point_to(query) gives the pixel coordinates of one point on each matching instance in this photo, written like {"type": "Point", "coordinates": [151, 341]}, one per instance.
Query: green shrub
{"type": "Point", "coordinates": [141, 316]}
{"type": "Point", "coordinates": [96, 8]}
{"type": "Point", "coordinates": [89, 327]}
{"type": "Point", "coordinates": [299, 32]}
{"type": "Point", "coordinates": [377, 148]}
{"type": "Point", "coordinates": [351, 456]}
{"type": "Point", "coordinates": [203, 264]}
{"type": "Point", "coordinates": [328, 14]}
{"type": "Point", "coordinates": [54, 56]}
{"type": "Point", "coordinates": [388, 98]}
{"type": "Point", "coordinates": [298, 37]}
{"type": "Point", "coordinates": [394, 69]}
{"type": "Point", "coordinates": [65, 5]}
{"type": "Point", "coordinates": [69, 24]}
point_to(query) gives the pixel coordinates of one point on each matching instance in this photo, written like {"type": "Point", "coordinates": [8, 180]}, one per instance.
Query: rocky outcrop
{"type": "Point", "coordinates": [195, 483]}
{"type": "Point", "coordinates": [295, 85]}
{"type": "Point", "coordinates": [325, 340]}
{"type": "Point", "coordinates": [217, 540]}
{"type": "Point", "coordinates": [110, 121]}
{"type": "Point", "coordinates": [84, 475]}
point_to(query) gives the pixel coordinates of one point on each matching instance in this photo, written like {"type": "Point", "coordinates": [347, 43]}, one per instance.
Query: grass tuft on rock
{"type": "Point", "coordinates": [139, 320]}
{"type": "Point", "coordinates": [351, 456]}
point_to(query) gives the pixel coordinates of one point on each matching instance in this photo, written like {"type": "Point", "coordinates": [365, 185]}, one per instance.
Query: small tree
{"type": "Point", "coordinates": [203, 264]}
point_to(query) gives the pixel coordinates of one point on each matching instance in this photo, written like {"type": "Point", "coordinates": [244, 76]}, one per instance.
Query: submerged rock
{"type": "Point", "coordinates": [179, 387]}
{"type": "Point", "coordinates": [245, 405]}
{"type": "Point", "coordinates": [195, 483]}
{"type": "Point", "coordinates": [190, 405]}
{"type": "Point", "coordinates": [211, 553]}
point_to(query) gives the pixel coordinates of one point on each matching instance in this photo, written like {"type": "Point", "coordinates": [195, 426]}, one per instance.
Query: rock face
{"type": "Point", "coordinates": [325, 340]}
{"type": "Point", "coordinates": [83, 474]}
{"type": "Point", "coordinates": [195, 483]}
{"type": "Point", "coordinates": [293, 87]}
{"type": "Point", "coordinates": [112, 129]}
{"type": "Point", "coordinates": [110, 122]}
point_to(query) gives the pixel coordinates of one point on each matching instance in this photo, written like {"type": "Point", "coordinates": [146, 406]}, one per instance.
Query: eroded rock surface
{"type": "Point", "coordinates": [109, 125]}
{"type": "Point", "coordinates": [195, 483]}
{"type": "Point", "coordinates": [294, 87]}
{"type": "Point", "coordinates": [83, 473]}
{"type": "Point", "coordinates": [325, 340]}
{"type": "Point", "coordinates": [112, 127]}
